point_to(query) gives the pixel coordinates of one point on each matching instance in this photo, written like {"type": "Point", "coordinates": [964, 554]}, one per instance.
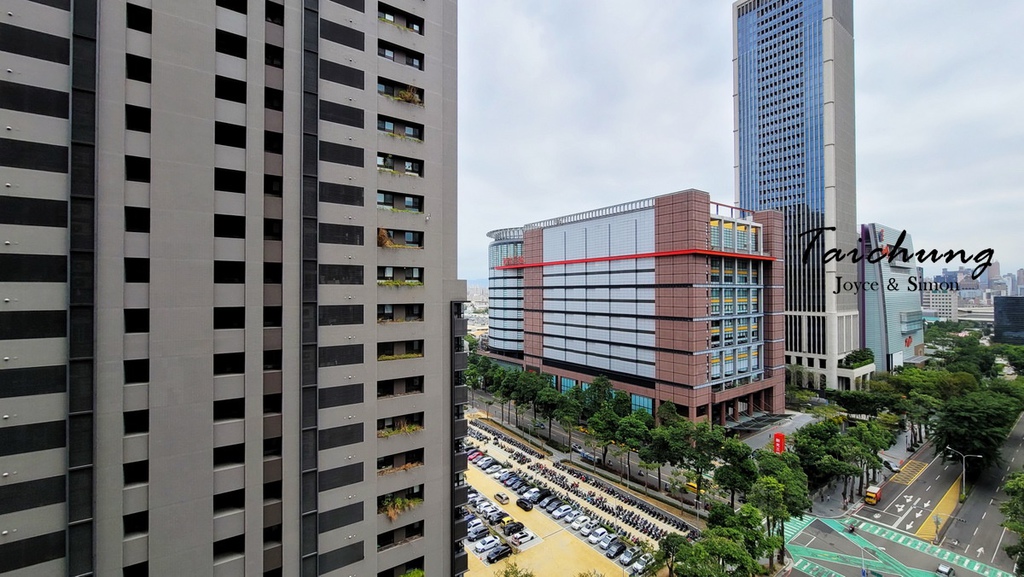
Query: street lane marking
{"type": "Point", "coordinates": [909, 473]}
{"type": "Point", "coordinates": [944, 508]}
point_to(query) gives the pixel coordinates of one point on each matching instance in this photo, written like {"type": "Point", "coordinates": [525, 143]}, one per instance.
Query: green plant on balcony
{"type": "Point", "coordinates": [406, 429]}
{"type": "Point", "coordinates": [410, 95]}
{"type": "Point", "coordinates": [414, 573]}
{"type": "Point", "coordinates": [395, 506]}
{"type": "Point", "coordinates": [399, 357]}
{"type": "Point", "coordinates": [392, 282]}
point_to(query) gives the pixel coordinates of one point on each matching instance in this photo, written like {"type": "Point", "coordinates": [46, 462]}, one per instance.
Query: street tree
{"type": "Point", "coordinates": [975, 424]}
{"type": "Point", "coordinates": [669, 548]}
{"type": "Point", "coordinates": [603, 426]}
{"type": "Point", "coordinates": [668, 413]}
{"type": "Point", "coordinates": [547, 401]}
{"type": "Point", "coordinates": [597, 393]}
{"type": "Point", "coordinates": [739, 471]}
{"type": "Point", "coordinates": [622, 403]}
{"type": "Point", "coordinates": [512, 569]}
{"type": "Point", "coordinates": [769, 496]}
{"type": "Point", "coordinates": [633, 434]}
{"type": "Point", "coordinates": [1013, 513]}
{"type": "Point", "coordinates": [568, 413]}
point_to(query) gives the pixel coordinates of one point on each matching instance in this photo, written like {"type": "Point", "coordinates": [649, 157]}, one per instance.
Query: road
{"type": "Point", "coordinates": [913, 498]}
{"type": "Point", "coordinates": [981, 535]}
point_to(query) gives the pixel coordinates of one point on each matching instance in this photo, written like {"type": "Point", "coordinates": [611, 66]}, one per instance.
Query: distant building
{"type": "Point", "coordinates": [892, 324]}
{"type": "Point", "coordinates": [505, 293]}
{"type": "Point", "coordinates": [1009, 320]}
{"type": "Point", "coordinates": [940, 305]}
{"type": "Point", "coordinates": [674, 298]}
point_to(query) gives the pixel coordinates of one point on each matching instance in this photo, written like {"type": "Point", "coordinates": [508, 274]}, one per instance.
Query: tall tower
{"type": "Point", "coordinates": [794, 148]}
{"type": "Point", "coordinates": [214, 215]}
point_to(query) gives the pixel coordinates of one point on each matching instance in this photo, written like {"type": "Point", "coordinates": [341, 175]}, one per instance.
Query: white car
{"type": "Point", "coordinates": [521, 537]}
{"type": "Point", "coordinates": [486, 508]}
{"type": "Point", "coordinates": [485, 462]}
{"type": "Point", "coordinates": [493, 468]}
{"type": "Point", "coordinates": [486, 544]}
{"type": "Point", "coordinates": [607, 541]}
{"type": "Point", "coordinates": [641, 564]}
{"type": "Point", "coordinates": [571, 515]}
{"type": "Point", "coordinates": [529, 494]}
{"type": "Point", "coordinates": [561, 511]}
{"type": "Point", "coordinates": [499, 473]}
{"type": "Point", "coordinates": [588, 528]}
{"type": "Point", "coordinates": [597, 535]}
{"type": "Point", "coordinates": [579, 522]}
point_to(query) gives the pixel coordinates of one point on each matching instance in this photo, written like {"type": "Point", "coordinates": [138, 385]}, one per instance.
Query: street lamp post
{"type": "Point", "coordinates": [963, 470]}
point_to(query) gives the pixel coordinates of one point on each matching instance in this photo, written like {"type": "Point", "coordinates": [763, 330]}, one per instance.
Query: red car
{"type": "Point", "coordinates": [476, 456]}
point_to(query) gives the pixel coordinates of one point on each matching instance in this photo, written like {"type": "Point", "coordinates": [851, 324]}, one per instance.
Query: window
{"type": "Point", "coordinates": [228, 318]}
{"type": "Point", "coordinates": [414, 132]}
{"type": "Point", "coordinates": [385, 125]}
{"type": "Point", "coordinates": [136, 168]}
{"type": "Point", "coordinates": [136, 117]}
{"type": "Point", "coordinates": [231, 44]}
{"type": "Point", "coordinates": [136, 270]}
{"type": "Point", "coordinates": [229, 271]}
{"type": "Point", "coordinates": [136, 320]}
{"type": "Point", "coordinates": [228, 226]}
{"type": "Point", "coordinates": [139, 18]}
{"type": "Point", "coordinates": [136, 219]}
{"type": "Point", "coordinates": [399, 91]}
{"type": "Point", "coordinates": [138, 68]}
{"type": "Point", "coordinates": [229, 89]}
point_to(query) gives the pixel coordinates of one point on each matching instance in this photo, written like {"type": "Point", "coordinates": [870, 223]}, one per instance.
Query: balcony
{"type": "Point", "coordinates": [460, 395]}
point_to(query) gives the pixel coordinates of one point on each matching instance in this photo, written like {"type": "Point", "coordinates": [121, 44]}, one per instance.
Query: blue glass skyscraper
{"type": "Point", "coordinates": [795, 152]}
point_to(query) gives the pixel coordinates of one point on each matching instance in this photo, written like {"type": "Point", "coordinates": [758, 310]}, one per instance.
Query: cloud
{"type": "Point", "coordinates": [571, 105]}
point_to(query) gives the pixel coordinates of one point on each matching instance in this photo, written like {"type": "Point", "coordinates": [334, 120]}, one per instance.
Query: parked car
{"type": "Point", "coordinates": [486, 508]}
{"type": "Point", "coordinates": [561, 511]}
{"type": "Point", "coordinates": [524, 504]}
{"type": "Point", "coordinates": [503, 474]}
{"type": "Point", "coordinates": [615, 549]}
{"type": "Point", "coordinates": [545, 501]}
{"type": "Point", "coordinates": [627, 557]}
{"type": "Point", "coordinates": [499, 554]}
{"type": "Point", "coordinates": [541, 495]}
{"type": "Point", "coordinates": [525, 488]}
{"type": "Point", "coordinates": [493, 469]}
{"type": "Point", "coordinates": [597, 534]}
{"type": "Point", "coordinates": [571, 515]}
{"type": "Point", "coordinates": [606, 541]}
{"type": "Point", "coordinates": [501, 498]}
{"type": "Point", "coordinates": [495, 517]}
{"type": "Point", "coordinates": [511, 481]}
{"type": "Point", "coordinates": [475, 456]}
{"type": "Point", "coordinates": [515, 484]}
{"type": "Point", "coordinates": [477, 533]}
{"type": "Point", "coordinates": [520, 538]}
{"type": "Point", "coordinates": [486, 544]}
{"type": "Point", "coordinates": [588, 528]}
{"type": "Point", "coordinates": [641, 564]}
{"type": "Point", "coordinates": [474, 523]}
{"type": "Point", "coordinates": [485, 462]}
{"type": "Point", "coordinates": [553, 505]}
{"type": "Point", "coordinates": [579, 522]}
{"type": "Point", "coordinates": [513, 528]}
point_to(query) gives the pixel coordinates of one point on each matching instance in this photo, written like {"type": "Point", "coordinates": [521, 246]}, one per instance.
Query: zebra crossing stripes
{"type": "Point", "coordinates": [811, 568]}
{"type": "Point", "coordinates": [795, 526]}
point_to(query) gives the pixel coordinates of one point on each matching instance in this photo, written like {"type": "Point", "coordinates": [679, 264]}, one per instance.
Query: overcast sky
{"type": "Point", "coordinates": [571, 105]}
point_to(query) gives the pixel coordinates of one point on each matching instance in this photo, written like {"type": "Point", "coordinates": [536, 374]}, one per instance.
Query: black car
{"type": "Point", "coordinates": [544, 494]}
{"type": "Point", "coordinates": [513, 528]}
{"type": "Point", "coordinates": [477, 534]}
{"type": "Point", "coordinates": [615, 549]}
{"type": "Point", "coordinates": [524, 504]}
{"type": "Point", "coordinates": [499, 553]}
{"type": "Point", "coordinates": [545, 501]}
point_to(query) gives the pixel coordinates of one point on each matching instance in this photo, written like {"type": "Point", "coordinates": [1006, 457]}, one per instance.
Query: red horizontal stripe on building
{"type": "Point", "coordinates": [701, 251]}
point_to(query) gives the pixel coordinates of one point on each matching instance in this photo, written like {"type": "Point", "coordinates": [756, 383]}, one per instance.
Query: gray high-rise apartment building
{"type": "Point", "coordinates": [230, 328]}
{"type": "Point", "coordinates": [795, 152]}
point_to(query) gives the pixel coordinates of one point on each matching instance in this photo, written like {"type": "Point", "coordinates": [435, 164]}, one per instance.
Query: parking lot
{"type": "Point", "coordinates": [553, 550]}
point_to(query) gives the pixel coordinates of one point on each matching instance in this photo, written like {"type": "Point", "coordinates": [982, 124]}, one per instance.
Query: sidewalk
{"type": "Point", "coordinates": [828, 502]}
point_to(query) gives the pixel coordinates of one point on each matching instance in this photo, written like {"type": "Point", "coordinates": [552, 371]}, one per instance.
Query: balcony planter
{"type": "Point", "coordinates": [393, 508]}
{"type": "Point", "coordinates": [403, 430]}
{"type": "Point", "coordinates": [399, 283]}
{"type": "Point", "coordinates": [400, 357]}
{"type": "Point", "coordinates": [405, 467]}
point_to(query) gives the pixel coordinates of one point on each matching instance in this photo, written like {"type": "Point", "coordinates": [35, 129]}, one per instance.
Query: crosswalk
{"type": "Point", "coordinates": [909, 472]}
{"type": "Point", "coordinates": [811, 568]}
{"type": "Point", "coordinates": [795, 526]}
{"type": "Point", "coordinates": [945, 555]}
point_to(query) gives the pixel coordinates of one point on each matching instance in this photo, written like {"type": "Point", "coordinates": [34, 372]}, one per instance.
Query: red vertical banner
{"type": "Point", "coordinates": [780, 442]}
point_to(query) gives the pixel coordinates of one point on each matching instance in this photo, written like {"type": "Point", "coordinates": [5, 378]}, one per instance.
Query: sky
{"type": "Point", "coordinates": [571, 105]}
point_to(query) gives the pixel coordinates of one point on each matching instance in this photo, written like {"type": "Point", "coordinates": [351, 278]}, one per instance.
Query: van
{"type": "Point", "coordinates": [945, 570]}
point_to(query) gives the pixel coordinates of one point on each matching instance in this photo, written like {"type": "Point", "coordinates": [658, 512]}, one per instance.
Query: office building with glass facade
{"type": "Point", "coordinates": [674, 298]}
{"type": "Point", "coordinates": [892, 324]}
{"type": "Point", "coordinates": [795, 152]}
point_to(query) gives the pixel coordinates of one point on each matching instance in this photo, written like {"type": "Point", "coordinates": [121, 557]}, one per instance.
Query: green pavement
{"type": "Point", "coordinates": [882, 562]}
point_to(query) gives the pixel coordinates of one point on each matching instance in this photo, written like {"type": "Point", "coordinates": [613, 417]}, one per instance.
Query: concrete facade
{"type": "Point", "coordinates": [795, 149]}
{"type": "Point", "coordinates": [188, 333]}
